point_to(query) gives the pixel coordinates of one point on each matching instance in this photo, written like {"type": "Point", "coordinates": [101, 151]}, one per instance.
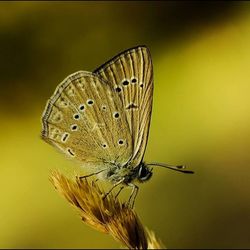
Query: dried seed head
{"type": "Point", "coordinates": [105, 215]}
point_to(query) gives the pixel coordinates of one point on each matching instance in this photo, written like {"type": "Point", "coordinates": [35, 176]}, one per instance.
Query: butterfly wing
{"type": "Point", "coordinates": [84, 118]}
{"type": "Point", "coordinates": [130, 74]}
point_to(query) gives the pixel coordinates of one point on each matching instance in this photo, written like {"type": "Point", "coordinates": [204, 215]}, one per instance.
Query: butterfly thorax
{"type": "Point", "coordinates": [127, 174]}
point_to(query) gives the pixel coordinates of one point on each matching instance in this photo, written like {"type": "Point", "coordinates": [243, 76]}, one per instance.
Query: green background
{"type": "Point", "coordinates": [201, 117]}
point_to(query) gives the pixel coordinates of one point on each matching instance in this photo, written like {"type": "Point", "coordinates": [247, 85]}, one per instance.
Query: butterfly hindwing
{"type": "Point", "coordinates": [85, 119]}
{"type": "Point", "coordinates": [130, 74]}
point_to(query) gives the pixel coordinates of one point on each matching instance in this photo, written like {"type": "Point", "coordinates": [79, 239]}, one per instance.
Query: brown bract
{"type": "Point", "coordinates": [107, 215]}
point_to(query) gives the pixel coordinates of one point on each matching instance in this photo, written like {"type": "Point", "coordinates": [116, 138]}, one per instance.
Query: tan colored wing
{"type": "Point", "coordinates": [85, 119]}
{"type": "Point", "coordinates": [131, 76]}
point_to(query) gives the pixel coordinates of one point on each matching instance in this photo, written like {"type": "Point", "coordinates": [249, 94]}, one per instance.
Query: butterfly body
{"type": "Point", "coordinates": [101, 119]}
{"type": "Point", "coordinates": [126, 174]}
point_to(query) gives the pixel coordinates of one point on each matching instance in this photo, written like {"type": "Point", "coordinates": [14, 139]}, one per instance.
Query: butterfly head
{"type": "Point", "coordinates": [143, 172]}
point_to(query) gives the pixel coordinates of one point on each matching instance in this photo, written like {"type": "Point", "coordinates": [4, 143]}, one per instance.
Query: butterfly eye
{"type": "Point", "coordinates": [144, 173]}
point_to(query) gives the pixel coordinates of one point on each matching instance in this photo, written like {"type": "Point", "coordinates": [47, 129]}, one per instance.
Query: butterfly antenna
{"type": "Point", "coordinates": [180, 168]}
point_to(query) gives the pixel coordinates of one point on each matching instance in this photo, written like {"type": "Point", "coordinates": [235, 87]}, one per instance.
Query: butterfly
{"type": "Point", "coordinates": [102, 118]}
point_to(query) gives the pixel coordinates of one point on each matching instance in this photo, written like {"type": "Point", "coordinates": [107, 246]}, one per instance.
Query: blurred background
{"type": "Point", "coordinates": [201, 117]}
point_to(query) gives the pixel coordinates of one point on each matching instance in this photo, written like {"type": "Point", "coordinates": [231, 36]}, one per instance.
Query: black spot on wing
{"type": "Point", "coordinates": [132, 106]}
{"type": "Point", "coordinates": [70, 152]}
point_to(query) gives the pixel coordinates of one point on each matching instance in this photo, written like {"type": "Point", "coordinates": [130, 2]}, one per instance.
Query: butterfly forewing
{"type": "Point", "coordinates": [85, 119]}
{"type": "Point", "coordinates": [130, 74]}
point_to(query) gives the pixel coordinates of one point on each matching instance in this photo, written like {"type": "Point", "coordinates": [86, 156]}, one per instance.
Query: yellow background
{"type": "Point", "coordinates": [201, 117]}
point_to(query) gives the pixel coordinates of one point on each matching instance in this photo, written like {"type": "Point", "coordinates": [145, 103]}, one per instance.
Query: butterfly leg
{"type": "Point", "coordinates": [115, 185]}
{"type": "Point", "coordinates": [94, 181]}
{"type": "Point", "coordinates": [133, 193]}
{"type": "Point", "coordinates": [86, 176]}
{"type": "Point", "coordinates": [121, 188]}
